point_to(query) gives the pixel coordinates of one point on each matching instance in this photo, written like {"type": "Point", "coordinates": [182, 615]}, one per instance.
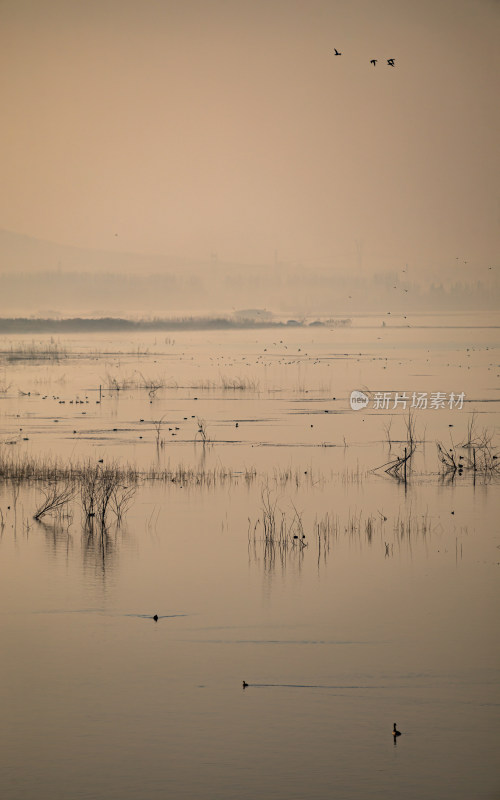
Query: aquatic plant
{"type": "Point", "coordinates": [26, 351]}
{"type": "Point", "coordinates": [278, 526]}
{"type": "Point", "coordinates": [239, 384]}
{"type": "Point", "coordinates": [202, 431]}
{"type": "Point", "coordinates": [399, 467]}
{"type": "Point", "coordinates": [22, 467]}
{"type": "Point", "coordinates": [157, 426]}
{"type": "Point", "coordinates": [114, 384]}
{"type": "Point", "coordinates": [481, 455]}
{"type": "Point", "coordinates": [56, 494]}
{"type": "Point", "coordinates": [152, 384]}
{"type": "Point", "coordinates": [101, 491]}
{"type": "Point", "coordinates": [279, 532]}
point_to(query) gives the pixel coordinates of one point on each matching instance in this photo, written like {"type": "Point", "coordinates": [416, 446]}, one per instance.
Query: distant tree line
{"type": "Point", "coordinates": [12, 325]}
{"type": "Point", "coordinates": [221, 287]}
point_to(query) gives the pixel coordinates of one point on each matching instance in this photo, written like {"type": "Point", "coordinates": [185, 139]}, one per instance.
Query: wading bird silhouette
{"type": "Point", "coordinates": [374, 62]}
{"type": "Point", "coordinates": [395, 731]}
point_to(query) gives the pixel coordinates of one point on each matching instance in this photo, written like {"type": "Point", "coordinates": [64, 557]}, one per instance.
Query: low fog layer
{"type": "Point", "coordinates": [45, 279]}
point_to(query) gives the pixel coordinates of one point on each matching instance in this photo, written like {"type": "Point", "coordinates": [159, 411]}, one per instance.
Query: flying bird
{"type": "Point", "coordinates": [374, 62]}
{"type": "Point", "coordinates": [337, 52]}
{"type": "Point", "coordinates": [390, 62]}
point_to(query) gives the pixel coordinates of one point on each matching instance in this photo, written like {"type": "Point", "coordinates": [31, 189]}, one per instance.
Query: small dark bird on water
{"type": "Point", "coordinates": [374, 62]}
{"type": "Point", "coordinates": [395, 731]}
{"type": "Point", "coordinates": [337, 52]}
{"type": "Point", "coordinates": [155, 617]}
{"type": "Point", "coordinates": [390, 62]}
{"type": "Point", "coordinates": [245, 684]}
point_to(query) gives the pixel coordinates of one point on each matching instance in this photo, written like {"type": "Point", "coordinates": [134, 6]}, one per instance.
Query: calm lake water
{"type": "Point", "coordinates": [386, 611]}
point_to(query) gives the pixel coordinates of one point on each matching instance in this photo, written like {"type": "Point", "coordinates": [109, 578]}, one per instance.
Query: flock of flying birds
{"type": "Point", "coordinates": [390, 61]}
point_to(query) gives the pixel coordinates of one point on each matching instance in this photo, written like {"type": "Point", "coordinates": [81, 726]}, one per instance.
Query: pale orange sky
{"type": "Point", "coordinates": [190, 127]}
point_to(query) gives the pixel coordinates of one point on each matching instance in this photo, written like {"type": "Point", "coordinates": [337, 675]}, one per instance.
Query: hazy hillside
{"type": "Point", "coordinates": [44, 278]}
{"type": "Point", "coordinates": [20, 252]}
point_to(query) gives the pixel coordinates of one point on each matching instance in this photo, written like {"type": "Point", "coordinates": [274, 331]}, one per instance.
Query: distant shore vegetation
{"type": "Point", "coordinates": [9, 325]}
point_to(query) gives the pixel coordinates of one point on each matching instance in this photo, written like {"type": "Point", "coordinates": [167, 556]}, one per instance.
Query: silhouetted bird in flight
{"type": "Point", "coordinates": [374, 62]}
{"type": "Point", "coordinates": [390, 62]}
{"type": "Point", "coordinates": [337, 52]}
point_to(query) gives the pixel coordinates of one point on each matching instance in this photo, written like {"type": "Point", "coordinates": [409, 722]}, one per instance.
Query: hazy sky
{"type": "Point", "coordinates": [187, 127]}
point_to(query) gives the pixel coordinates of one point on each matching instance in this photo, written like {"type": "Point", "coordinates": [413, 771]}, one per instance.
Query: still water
{"type": "Point", "coordinates": [386, 611]}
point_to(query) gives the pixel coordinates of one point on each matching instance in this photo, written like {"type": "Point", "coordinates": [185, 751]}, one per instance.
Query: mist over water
{"type": "Point", "coordinates": [50, 280]}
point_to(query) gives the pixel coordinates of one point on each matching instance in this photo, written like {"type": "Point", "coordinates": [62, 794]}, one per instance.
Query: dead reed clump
{"type": "Point", "coordinates": [157, 426]}
{"type": "Point", "coordinates": [239, 384]}
{"type": "Point", "coordinates": [115, 384]}
{"type": "Point", "coordinates": [152, 384]}
{"type": "Point", "coordinates": [399, 468]}
{"type": "Point", "coordinates": [19, 468]}
{"type": "Point", "coordinates": [204, 477]}
{"type": "Point", "coordinates": [35, 351]}
{"type": "Point", "coordinates": [280, 532]}
{"type": "Point", "coordinates": [102, 492]}
{"type": "Point", "coordinates": [202, 432]}
{"type": "Point", "coordinates": [57, 495]}
{"type": "Point", "coordinates": [279, 528]}
{"type": "Point", "coordinates": [476, 454]}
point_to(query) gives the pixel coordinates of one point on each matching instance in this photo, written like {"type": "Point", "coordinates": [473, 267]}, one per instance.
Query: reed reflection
{"type": "Point", "coordinates": [99, 546]}
{"type": "Point", "coordinates": [281, 538]}
{"type": "Point", "coordinates": [57, 536]}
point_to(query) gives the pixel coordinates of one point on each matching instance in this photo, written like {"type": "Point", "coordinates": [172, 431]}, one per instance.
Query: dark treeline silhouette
{"type": "Point", "coordinates": [103, 324]}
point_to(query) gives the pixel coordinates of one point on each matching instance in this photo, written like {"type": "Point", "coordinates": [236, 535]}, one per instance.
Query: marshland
{"type": "Point", "coordinates": [249, 400]}
{"type": "Point", "coordinates": [343, 563]}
